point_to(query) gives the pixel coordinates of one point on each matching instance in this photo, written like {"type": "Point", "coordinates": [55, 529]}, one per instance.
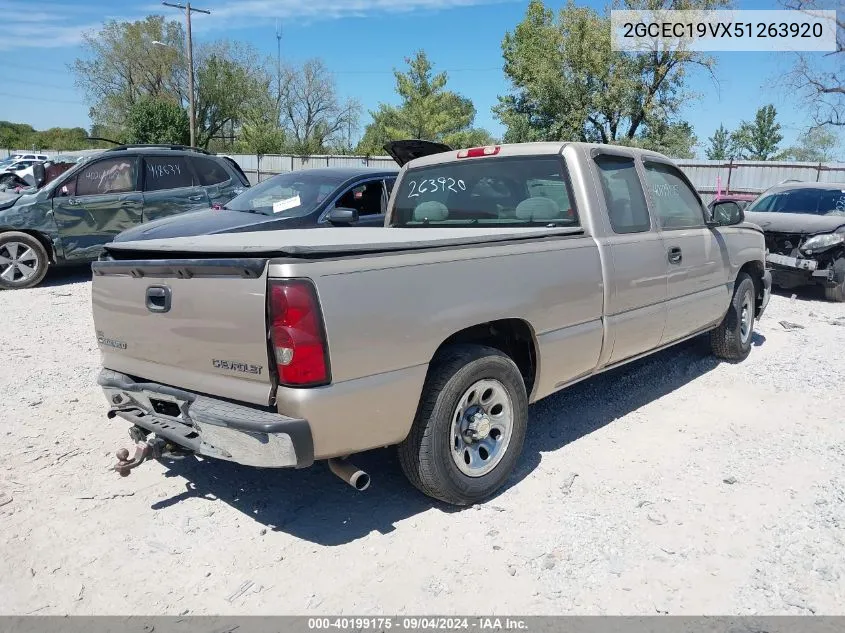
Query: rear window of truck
{"type": "Point", "coordinates": [518, 191]}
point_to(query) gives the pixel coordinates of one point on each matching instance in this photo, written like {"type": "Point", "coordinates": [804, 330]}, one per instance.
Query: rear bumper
{"type": "Point", "coordinates": [209, 426]}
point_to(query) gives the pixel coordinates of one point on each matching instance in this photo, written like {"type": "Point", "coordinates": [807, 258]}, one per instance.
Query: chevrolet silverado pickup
{"type": "Point", "coordinates": [501, 275]}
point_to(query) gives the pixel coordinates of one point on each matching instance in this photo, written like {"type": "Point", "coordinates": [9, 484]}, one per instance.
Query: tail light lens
{"type": "Point", "coordinates": [296, 334]}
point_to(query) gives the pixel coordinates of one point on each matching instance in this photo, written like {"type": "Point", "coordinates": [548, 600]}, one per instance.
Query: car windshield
{"type": "Point", "coordinates": [519, 191]}
{"type": "Point", "coordinates": [287, 195]}
{"type": "Point", "coordinates": [817, 201]}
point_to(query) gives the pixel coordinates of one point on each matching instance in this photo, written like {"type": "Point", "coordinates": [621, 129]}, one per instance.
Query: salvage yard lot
{"type": "Point", "coordinates": [675, 485]}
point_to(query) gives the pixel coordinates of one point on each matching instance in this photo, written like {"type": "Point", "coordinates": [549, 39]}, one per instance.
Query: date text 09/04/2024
{"type": "Point", "coordinates": [417, 623]}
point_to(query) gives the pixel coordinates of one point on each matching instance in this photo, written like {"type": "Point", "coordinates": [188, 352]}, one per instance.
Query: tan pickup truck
{"type": "Point", "coordinates": [502, 275]}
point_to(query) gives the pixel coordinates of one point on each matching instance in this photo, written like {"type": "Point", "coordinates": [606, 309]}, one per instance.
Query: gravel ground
{"type": "Point", "coordinates": [675, 485]}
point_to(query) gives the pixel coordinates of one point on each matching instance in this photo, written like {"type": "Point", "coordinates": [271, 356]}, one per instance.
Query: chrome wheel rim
{"type": "Point", "coordinates": [746, 318]}
{"type": "Point", "coordinates": [18, 262]}
{"type": "Point", "coordinates": [482, 425]}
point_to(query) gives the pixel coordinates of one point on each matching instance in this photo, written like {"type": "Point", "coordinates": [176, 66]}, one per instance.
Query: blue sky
{"type": "Point", "coordinates": [361, 41]}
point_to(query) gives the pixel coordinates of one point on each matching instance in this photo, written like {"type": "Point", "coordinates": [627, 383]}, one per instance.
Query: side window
{"type": "Point", "coordinates": [675, 203]}
{"type": "Point", "coordinates": [166, 172]}
{"type": "Point", "coordinates": [210, 172]}
{"type": "Point", "coordinates": [112, 175]}
{"type": "Point", "coordinates": [365, 198]}
{"type": "Point", "coordinates": [623, 194]}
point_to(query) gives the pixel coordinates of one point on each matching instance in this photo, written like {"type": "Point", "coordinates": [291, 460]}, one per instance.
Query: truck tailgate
{"type": "Point", "coordinates": [195, 324]}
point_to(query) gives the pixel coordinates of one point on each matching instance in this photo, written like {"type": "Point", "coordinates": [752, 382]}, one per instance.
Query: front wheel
{"type": "Point", "coordinates": [23, 261]}
{"type": "Point", "coordinates": [470, 426]}
{"type": "Point", "coordinates": [732, 339]}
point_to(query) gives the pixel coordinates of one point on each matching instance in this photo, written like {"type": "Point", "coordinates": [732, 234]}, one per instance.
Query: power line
{"type": "Point", "coordinates": [15, 80]}
{"type": "Point", "coordinates": [42, 69]}
{"type": "Point", "coordinates": [36, 98]}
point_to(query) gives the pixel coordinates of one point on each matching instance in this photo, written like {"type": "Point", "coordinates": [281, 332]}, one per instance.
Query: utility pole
{"type": "Point", "coordinates": [192, 111]}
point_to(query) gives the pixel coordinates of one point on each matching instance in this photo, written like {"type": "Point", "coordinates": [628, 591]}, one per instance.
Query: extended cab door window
{"type": "Point", "coordinates": [623, 193]}
{"type": "Point", "coordinates": [675, 203]}
{"type": "Point", "coordinates": [636, 304]}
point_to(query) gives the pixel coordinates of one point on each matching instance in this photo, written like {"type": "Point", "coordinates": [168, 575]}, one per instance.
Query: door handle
{"type": "Point", "coordinates": [675, 255]}
{"type": "Point", "coordinates": [73, 201]}
{"type": "Point", "coordinates": [196, 198]}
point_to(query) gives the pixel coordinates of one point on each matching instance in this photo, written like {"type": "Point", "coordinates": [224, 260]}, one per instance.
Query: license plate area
{"type": "Point", "coordinates": [166, 407]}
{"type": "Point", "coordinates": [792, 262]}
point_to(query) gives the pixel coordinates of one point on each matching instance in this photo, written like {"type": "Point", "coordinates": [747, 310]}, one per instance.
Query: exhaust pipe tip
{"type": "Point", "coordinates": [350, 473]}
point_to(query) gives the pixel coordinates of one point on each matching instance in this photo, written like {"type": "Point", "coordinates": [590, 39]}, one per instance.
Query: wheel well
{"type": "Point", "coordinates": [45, 241]}
{"type": "Point", "coordinates": [513, 337]}
{"type": "Point", "coordinates": [755, 270]}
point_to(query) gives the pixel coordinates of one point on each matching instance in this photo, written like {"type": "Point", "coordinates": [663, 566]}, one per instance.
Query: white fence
{"type": "Point", "coordinates": [706, 175]}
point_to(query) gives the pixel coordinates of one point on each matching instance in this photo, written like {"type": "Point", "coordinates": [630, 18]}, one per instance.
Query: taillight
{"type": "Point", "coordinates": [296, 334]}
{"type": "Point", "coordinates": [475, 152]}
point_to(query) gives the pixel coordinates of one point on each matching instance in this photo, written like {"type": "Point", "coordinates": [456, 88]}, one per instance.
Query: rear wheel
{"type": "Point", "coordinates": [470, 426]}
{"type": "Point", "coordinates": [835, 293]}
{"type": "Point", "coordinates": [23, 261]}
{"type": "Point", "coordinates": [732, 339]}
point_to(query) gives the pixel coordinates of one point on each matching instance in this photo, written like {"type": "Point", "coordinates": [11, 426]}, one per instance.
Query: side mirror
{"type": "Point", "coordinates": [343, 215]}
{"type": "Point", "coordinates": [727, 213]}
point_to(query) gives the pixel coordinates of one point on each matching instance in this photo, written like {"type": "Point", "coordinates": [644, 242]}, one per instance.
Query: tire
{"type": "Point", "coordinates": [23, 261]}
{"type": "Point", "coordinates": [732, 339]}
{"type": "Point", "coordinates": [835, 293]}
{"type": "Point", "coordinates": [442, 433]}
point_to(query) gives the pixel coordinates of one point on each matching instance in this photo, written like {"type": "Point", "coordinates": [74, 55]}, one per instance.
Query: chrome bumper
{"type": "Point", "coordinates": [209, 426]}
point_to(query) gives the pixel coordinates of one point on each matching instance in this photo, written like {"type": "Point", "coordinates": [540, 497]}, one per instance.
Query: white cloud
{"type": "Point", "coordinates": [56, 25]}
{"type": "Point", "coordinates": [49, 33]}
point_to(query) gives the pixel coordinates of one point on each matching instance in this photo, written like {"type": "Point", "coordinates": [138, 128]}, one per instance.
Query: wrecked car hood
{"type": "Point", "coordinates": [202, 222]}
{"type": "Point", "coordinates": [807, 223]}
{"type": "Point", "coordinates": [8, 198]}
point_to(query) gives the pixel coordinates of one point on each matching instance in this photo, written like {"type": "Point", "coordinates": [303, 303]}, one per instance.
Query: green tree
{"type": "Point", "coordinates": [720, 145]}
{"type": "Point", "coordinates": [260, 131]}
{"type": "Point", "coordinates": [229, 80]}
{"type": "Point", "coordinates": [676, 140]}
{"type": "Point", "coordinates": [157, 120]}
{"type": "Point", "coordinates": [568, 84]}
{"type": "Point", "coordinates": [816, 145]}
{"type": "Point", "coordinates": [126, 62]}
{"type": "Point", "coordinates": [122, 65]}
{"type": "Point", "coordinates": [758, 139]}
{"type": "Point", "coordinates": [427, 111]}
{"type": "Point", "coordinates": [314, 117]}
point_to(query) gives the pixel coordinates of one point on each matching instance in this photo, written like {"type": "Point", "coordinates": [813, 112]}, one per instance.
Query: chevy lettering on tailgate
{"type": "Point", "coordinates": [232, 365]}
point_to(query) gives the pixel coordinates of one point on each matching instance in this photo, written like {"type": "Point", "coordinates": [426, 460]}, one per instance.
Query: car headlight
{"type": "Point", "coordinates": [822, 242]}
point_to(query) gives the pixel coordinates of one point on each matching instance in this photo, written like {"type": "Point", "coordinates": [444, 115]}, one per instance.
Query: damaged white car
{"type": "Point", "coordinates": [804, 225]}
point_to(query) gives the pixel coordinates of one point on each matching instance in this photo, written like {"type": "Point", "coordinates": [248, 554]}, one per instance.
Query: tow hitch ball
{"type": "Point", "coordinates": [150, 449]}
{"type": "Point", "coordinates": [145, 449]}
